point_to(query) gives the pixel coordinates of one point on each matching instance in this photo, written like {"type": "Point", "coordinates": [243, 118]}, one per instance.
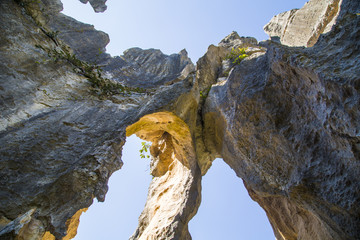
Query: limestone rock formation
{"type": "Point", "coordinates": [302, 27]}
{"type": "Point", "coordinates": [285, 119]}
{"type": "Point", "coordinates": [97, 5]}
{"type": "Point", "coordinates": [174, 193]}
{"type": "Point", "coordinates": [61, 139]}
{"type": "Point", "coordinates": [282, 131]}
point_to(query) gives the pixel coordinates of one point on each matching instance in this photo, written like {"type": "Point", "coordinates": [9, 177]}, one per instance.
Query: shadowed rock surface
{"type": "Point", "coordinates": [285, 119]}
{"type": "Point", "coordinates": [59, 141]}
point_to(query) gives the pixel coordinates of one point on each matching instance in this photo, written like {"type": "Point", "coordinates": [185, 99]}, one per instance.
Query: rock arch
{"type": "Point", "coordinates": [174, 193]}
{"type": "Point", "coordinates": [286, 120]}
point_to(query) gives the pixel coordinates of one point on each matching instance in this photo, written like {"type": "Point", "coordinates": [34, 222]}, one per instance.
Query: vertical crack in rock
{"type": "Point", "coordinates": [212, 69]}
{"type": "Point", "coordinates": [174, 193]}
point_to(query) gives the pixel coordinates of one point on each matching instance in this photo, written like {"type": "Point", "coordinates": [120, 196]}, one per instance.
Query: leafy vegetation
{"type": "Point", "coordinates": [145, 150]}
{"type": "Point", "coordinates": [237, 55]}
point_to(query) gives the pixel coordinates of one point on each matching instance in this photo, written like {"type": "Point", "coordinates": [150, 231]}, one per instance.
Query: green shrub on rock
{"type": "Point", "coordinates": [237, 55]}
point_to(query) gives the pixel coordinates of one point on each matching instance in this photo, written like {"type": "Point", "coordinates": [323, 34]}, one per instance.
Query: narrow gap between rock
{"type": "Point", "coordinates": [117, 217]}
{"type": "Point", "coordinates": [226, 210]}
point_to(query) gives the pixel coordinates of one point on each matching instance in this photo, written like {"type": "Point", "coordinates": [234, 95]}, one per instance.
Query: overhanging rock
{"type": "Point", "coordinates": [286, 119]}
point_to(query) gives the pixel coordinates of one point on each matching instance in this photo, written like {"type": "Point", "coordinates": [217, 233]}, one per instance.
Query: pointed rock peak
{"type": "Point", "coordinates": [231, 37]}
{"type": "Point", "coordinates": [233, 40]}
{"type": "Point", "coordinates": [184, 57]}
{"type": "Point", "coordinates": [183, 52]}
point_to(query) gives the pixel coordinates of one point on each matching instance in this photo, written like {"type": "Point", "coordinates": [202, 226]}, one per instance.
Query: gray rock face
{"type": "Point", "coordinates": [285, 135]}
{"type": "Point", "coordinates": [212, 68]}
{"type": "Point", "coordinates": [97, 5]}
{"type": "Point", "coordinates": [59, 142]}
{"type": "Point", "coordinates": [286, 119]}
{"type": "Point", "coordinates": [87, 43]}
{"type": "Point", "coordinates": [302, 27]}
{"type": "Point", "coordinates": [149, 68]}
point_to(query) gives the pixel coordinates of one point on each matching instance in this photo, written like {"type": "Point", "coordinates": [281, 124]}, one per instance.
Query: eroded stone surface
{"type": "Point", "coordinates": [285, 119]}
{"type": "Point", "coordinates": [97, 5]}
{"type": "Point", "coordinates": [289, 127]}
{"type": "Point", "coordinates": [302, 27]}
{"type": "Point", "coordinates": [174, 193]}
{"type": "Point", "coordinates": [59, 142]}
{"type": "Point", "coordinates": [214, 67]}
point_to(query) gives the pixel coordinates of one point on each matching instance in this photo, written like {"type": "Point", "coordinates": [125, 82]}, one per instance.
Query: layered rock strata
{"type": "Point", "coordinates": [285, 119]}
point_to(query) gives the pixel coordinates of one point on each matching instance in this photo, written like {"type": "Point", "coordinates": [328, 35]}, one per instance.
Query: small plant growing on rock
{"type": "Point", "coordinates": [205, 93]}
{"type": "Point", "coordinates": [145, 150]}
{"type": "Point", "coordinates": [99, 84]}
{"type": "Point", "coordinates": [237, 55]}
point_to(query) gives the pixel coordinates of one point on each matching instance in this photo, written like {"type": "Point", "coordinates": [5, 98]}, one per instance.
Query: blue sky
{"type": "Point", "coordinates": [226, 211]}
{"type": "Point", "coordinates": [172, 25]}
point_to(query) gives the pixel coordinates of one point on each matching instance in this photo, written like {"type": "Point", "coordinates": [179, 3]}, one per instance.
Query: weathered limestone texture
{"type": "Point", "coordinates": [285, 119]}
{"type": "Point", "coordinates": [97, 5]}
{"type": "Point", "coordinates": [61, 137]}
{"type": "Point", "coordinates": [302, 27]}
{"type": "Point", "coordinates": [288, 123]}
{"type": "Point", "coordinates": [174, 193]}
